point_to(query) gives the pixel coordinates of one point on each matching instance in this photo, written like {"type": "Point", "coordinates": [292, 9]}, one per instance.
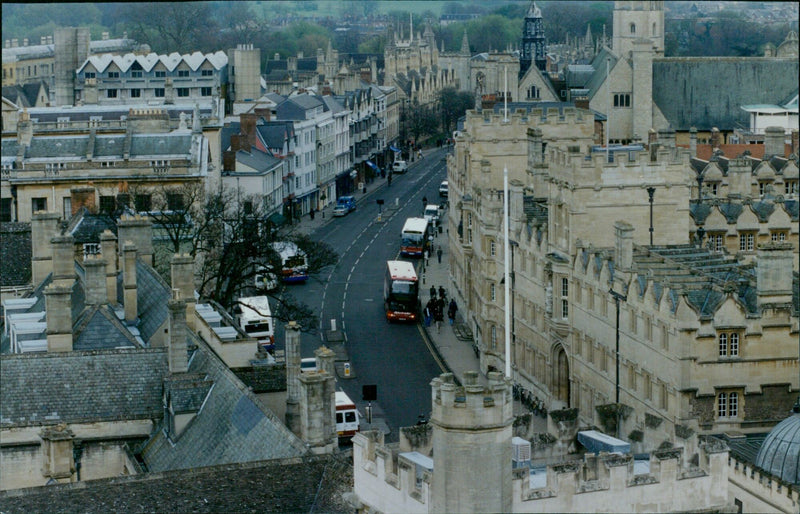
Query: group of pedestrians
{"type": "Point", "coordinates": [434, 309]}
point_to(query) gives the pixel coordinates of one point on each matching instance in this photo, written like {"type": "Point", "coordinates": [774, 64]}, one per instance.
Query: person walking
{"type": "Point", "coordinates": [451, 311]}
{"type": "Point", "coordinates": [424, 203]}
{"type": "Point", "coordinates": [433, 292]}
{"type": "Point", "coordinates": [438, 313]}
{"type": "Point", "coordinates": [439, 254]}
{"type": "Point", "coordinates": [442, 293]}
{"type": "Point", "coordinates": [427, 313]}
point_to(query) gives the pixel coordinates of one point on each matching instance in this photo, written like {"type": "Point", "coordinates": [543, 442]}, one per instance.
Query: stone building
{"type": "Point", "coordinates": [690, 330]}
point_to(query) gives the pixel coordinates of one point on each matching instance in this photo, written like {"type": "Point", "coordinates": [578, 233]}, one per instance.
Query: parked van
{"type": "Point", "coordinates": [444, 189]}
{"type": "Point", "coordinates": [432, 214]}
{"type": "Point", "coordinates": [344, 205]}
{"type": "Point", "coordinates": [399, 166]}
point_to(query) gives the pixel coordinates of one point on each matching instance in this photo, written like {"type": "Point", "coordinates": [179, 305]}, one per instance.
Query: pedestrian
{"type": "Point", "coordinates": [428, 313]}
{"type": "Point", "coordinates": [438, 253]}
{"type": "Point", "coordinates": [442, 293]}
{"type": "Point", "coordinates": [424, 202]}
{"type": "Point", "coordinates": [311, 213]}
{"type": "Point", "coordinates": [389, 180]}
{"type": "Point", "coordinates": [438, 314]}
{"type": "Point", "coordinates": [451, 311]}
{"type": "Point", "coordinates": [426, 256]}
{"type": "Point", "coordinates": [433, 292]}
{"type": "Point", "coordinates": [419, 154]}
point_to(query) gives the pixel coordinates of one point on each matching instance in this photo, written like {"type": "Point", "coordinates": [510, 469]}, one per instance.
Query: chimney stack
{"type": "Point", "coordinates": [138, 230]}
{"type": "Point", "coordinates": [63, 260]}
{"type": "Point", "coordinates": [182, 278]}
{"type": "Point", "coordinates": [178, 359]}
{"type": "Point", "coordinates": [715, 138]}
{"type": "Point", "coordinates": [108, 249]}
{"type": "Point", "coordinates": [623, 251]}
{"type": "Point", "coordinates": [774, 273]}
{"type": "Point", "coordinates": [773, 142]}
{"type": "Point", "coordinates": [325, 360]}
{"type": "Point", "coordinates": [293, 377]}
{"type": "Point", "coordinates": [58, 307]}
{"type": "Point", "coordinates": [693, 141]}
{"type": "Point", "coordinates": [795, 141]}
{"type": "Point", "coordinates": [44, 226]}
{"type": "Point", "coordinates": [318, 411]}
{"type": "Point", "coordinates": [95, 279]}
{"type": "Point", "coordinates": [130, 298]}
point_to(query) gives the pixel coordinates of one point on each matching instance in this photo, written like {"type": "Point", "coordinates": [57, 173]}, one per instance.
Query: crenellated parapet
{"type": "Point", "coordinates": [471, 405]}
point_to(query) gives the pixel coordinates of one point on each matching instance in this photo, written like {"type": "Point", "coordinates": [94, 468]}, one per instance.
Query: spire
{"type": "Point", "coordinates": [465, 44]}
{"type": "Point", "coordinates": [588, 41]}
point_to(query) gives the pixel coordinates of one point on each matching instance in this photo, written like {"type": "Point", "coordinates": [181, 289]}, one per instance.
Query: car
{"type": "Point", "coordinates": [444, 189]}
{"type": "Point", "coordinates": [399, 166]}
{"type": "Point", "coordinates": [432, 214]}
{"type": "Point", "coordinates": [344, 205]}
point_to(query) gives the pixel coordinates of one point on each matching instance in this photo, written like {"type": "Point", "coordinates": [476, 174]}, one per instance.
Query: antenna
{"type": "Point", "coordinates": [505, 94]}
{"type": "Point", "coordinates": [608, 110]}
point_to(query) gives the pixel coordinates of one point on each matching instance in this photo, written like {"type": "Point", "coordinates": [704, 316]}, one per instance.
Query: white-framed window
{"type": "Point", "coordinates": [492, 292]}
{"type": "Point", "coordinates": [790, 187]}
{"type": "Point", "coordinates": [206, 73]}
{"type": "Point", "coordinates": [183, 73]}
{"type": "Point", "coordinates": [564, 297]}
{"type": "Point", "coordinates": [778, 235]}
{"type": "Point", "coordinates": [494, 337]}
{"type": "Point", "coordinates": [160, 74]}
{"type": "Point", "coordinates": [728, 404]}
{"type": "Point", "coordinates": [747, 241]}
{"type": "Point", "coordinates": [113, 74]}
{"type": "Point", "coordinates": [492, 248]}
{"type": "Point", "coordinates": [728, 343]}
{"type": "Point", "coordinates": [90, 75]}
{"type": "Point", "coordinates": [762, 186]}
{"type": "Point", "coordinates": [717, 241]}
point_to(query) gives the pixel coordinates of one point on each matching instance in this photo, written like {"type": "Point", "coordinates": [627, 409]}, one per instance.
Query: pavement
{"type": "Point", "coordinates": [452, 345]}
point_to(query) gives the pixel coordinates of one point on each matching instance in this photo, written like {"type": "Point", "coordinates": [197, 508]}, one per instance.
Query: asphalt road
{"type": "Point", "coordinates": [395, 357]}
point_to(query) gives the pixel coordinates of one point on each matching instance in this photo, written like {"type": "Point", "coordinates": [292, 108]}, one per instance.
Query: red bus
{"type": "Point", "coordinates": [401, 292]}
{"type": "Point", "coordinates": [414, 237]}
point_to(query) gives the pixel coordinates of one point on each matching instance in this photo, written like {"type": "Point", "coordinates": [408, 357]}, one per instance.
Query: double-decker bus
{"type": "Point", "coordinates": [255, 318]}
{"type": "Point", "coordinates": [414, 237]}
{"type": "Point", "coordinates": [401, 292]}
{"type": "Point", "coordinates": [294, 267]}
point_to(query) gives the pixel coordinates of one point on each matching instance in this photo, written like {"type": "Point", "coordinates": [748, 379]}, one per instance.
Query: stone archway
{"type": "Point", "coordinates": [561, 391]}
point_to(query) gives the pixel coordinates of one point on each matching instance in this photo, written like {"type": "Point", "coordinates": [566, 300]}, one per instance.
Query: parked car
{"type": "Point", "coordinates": [432, 214]}
{"type": "Point", "coordinates": [344, 205]}
{"type": "Point", "coordinates": [444, 189]}
{"type": "Point", "coordinates": [399, 166]}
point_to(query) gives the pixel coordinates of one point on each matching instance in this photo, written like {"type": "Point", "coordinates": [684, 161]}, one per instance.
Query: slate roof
{"type": "Point", "coordinates": [171, 61]}
{"type": "Point", "coordinates": [86, 227]}
{"type": "Point", "coordinates": [24, 95]}
{"type": "Point", "coordinates": [231, 427]}
{"type": "Point", "coordinates": [161, 144]}
{"type": "Point", "coordinates": [152, 294]}
{"type": "Point", "coordinates": [74, 387]}
{"type": "Point", "coordinates": [98, 328]}
{"type": "Point", "coordinates": [599, 64]}
{"type": "Point", "coordinates": [114, 112]}
{"type": "Point", "coordinates": [273, 133]}
{"type": "Point", "coordinates": [15, 254]}
{"type": "Point", "coordinates": [700, 92]}
{"type": "Point", "coordinates": [699, 211]}
{"type": "Point", "coordinates": [308, 484]}
{"type": "Point", "coordinates": [257, 160]}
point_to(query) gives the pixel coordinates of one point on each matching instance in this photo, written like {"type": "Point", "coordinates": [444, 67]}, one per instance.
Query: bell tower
{"type": "Point", "coordinates": [638, 20]}
{"type": "Point", "coordinates": [534, 47]}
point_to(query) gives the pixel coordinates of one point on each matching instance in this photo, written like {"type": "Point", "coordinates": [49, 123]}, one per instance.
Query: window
{"type": "Point", "coordinates": [175, 202]}
{"type": "Point", "coordinates": [67, 207]}
{"type": "Point", "coordinates": [136, 93]}
{"type": "Point", "coordinates": [717, 241]}
{"type": "Point", "coordinates": [5, 209]}
{"type": "Point", "coordinates": [728, 343]}
{"type": "Point", "coordinates": [136, 74]}
{"type": "Point", "coordinates": [533, 92]}
{"type": "Point", "coordinates": [564, 297]}
{"type": "Point", "coordinates": [206, 73]}
{"type": "Point", "coordinates": [790, 187]}
{"type": "Point", "coordinates": [183, 73]}
{"type": "Point", "coordinates": [747, 241]}
{"type": "Point", "coordinates": [113, 74]}
{"type": "Point", "coordinates": [247, 205]}
{"type": "Point", "coordinates": [728, 404]}
{"type": "Point", "coordinates": [492, 248]}
{"type": "Point", "coordinates": [159, 92]}
{"type": "Point", "coordinates": [778, 235]}
{"type": "Point", "coordinates": [713, 188]}
{"type": "Point", "coordinates": [492, 292]}
{"type": "Point", "coordinates": [205, 91]}
{"type": "Point", "coordinates": [38, 204]}
{"type": "Point", "coordinates": [90, 75]}
{"type": "Point", "coordinates": [111, 93]}
{"type": "Point", "coordinates": [764, 186]}
{"type": "Point", "coordinates": [161, 74]}
{"type": "Point", "coordinates": [633, 28]}
{"type": "Point", "coordinates": [622, 99]}
{"type": "Point", "coordinates": [183, 91]}
{"type": "Point", "coordinates": [494, 337]}
{"type": "Point", "coordinates": [142, 203]}
{"type": "Point", "coordinates": [107, 204]}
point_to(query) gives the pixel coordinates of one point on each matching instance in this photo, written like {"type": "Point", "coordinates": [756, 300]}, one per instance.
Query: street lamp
{"type": "Point", "coordinates": [617, 297]}
{"type": "Point", "coordinates": [650, 192]}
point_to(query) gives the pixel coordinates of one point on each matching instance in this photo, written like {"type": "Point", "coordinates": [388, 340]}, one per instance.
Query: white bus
{"type": "Point", "coordinates": [347, 418]}
{"type": "Point", "coordinates": [414, 237]}
{"type": "Point", "coordinates": [255, 318]}
{"type": "Point", "coordinates": [294, 267]}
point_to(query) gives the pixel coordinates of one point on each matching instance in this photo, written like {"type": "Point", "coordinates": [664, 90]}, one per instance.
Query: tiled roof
{"type": "Point", "coordinates": [308, 484]}
{"type": "Point", "coordinates": [147, 62]}
{"type": "Point", "coordinates": [152, 294]}
{"type": "Point", "coordinates": [15, 254]}
{"type": "Point", "coordinates": [86, 227]}
{"type": "Point", "coordinates": [99, 329]}
{"type": "Point", "coordinates": [81, 386]}
{"type": "Point", "coordinates": [257, 159]}
{"type": "Point", "coordinates": [231, 427]}
{"type": "Point", "coordinates": [161, 144]}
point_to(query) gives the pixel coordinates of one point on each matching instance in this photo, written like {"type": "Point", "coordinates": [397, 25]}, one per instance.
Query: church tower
{"type": "Point", "coordinates": [533, 41]}
{"type": "Point", "coordinates": [638, 20]}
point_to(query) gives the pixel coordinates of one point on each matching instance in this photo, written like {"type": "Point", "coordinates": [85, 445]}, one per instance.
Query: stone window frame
{"type": "Point", "coordinates": [729, 343]}
{"type": "Point", "coordinates": [747, 240]}
{"type": "Point", "coordinates": [728, 404]}
{"type": "Point", "coordinates": [564, 296]}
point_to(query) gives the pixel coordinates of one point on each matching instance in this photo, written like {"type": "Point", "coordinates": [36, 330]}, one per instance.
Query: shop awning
{"type": "Point", "coordinates": [372, 165]}
{"type": "Point", "coordinates": [276, 219]}
{"type": "Point", "coordinates": [394, 148]}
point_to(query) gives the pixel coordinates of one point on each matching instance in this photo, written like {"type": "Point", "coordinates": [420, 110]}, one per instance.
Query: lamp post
{"type": "Point", "coordinates": [650, 192]}
{"type": "Point", "coordinates": [617, 297]}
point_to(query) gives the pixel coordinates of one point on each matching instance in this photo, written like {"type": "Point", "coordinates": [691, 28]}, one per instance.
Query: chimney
{"type": "Point", "coordinates": [774, 273]}
{"type": "Point", "coordinates": [129, 283]}
{"type": "Point", "coordinates": [325, 358]}
{"type": "Point", "coordinates": [263, 112]}
{"type": "Point", "coordinates": [773, 142]}
{"type": "Point", "coordinates": [795, 141]}
{"type": "Point", "coordinates": [58, 452]}
{"type": "Point", "coordinates": [108, 249]}
{"type": "Point", "coordinates": [24, 129]}
{"type": "Point", "coordinates": [318, 411]}
{"type": "Point", "coordinates": [582, 102]}
{"type": "Point", "coordinates": [104, 36]}
{"type": "Point", "coordinates": [293, 377]}
{"type": "Point", "coordinates": [14, 42]}
{"type": "Point", "coordinates": [63, 260]}
{"type": "Point", "coordinates": [229, 159]}
{"type": "Point", "coordinates": [536, 148]}
{"type": "Point", "coordinates": [43, 40]}
{"type": "Point", "coordinates": [291, 64]}
{"type": "Point", "coordinates": [44, 226]}
{"type": "Point", "coordinates": [178, 359]}
{"type": "Point", "coordinates": [667, 137]}
{"type": "Point", "coordinates": [182, 278]}
{"type": "Point", "coordinates": [82, 197]}
{"type": "Point", "coordinates": [693, 141]}
{"type": "Point", "coordinates": [248, 128]}
{"type": "Point", "coordinates": [623, 251]}
{"type": "Point", "coordinates": [715, 139]}
{"type": "Point", "coordinates": [139, 230]}
{"type": "Point", "coordinates": [58, 308]}
{"type": "Point", "coordinates": [95, 280]}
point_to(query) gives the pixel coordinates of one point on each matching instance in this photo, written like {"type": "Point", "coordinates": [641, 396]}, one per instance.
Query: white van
{"type": "Point", "coordinates": [399, 167]}
{"type": "Point", "coordinates": [432, 214]}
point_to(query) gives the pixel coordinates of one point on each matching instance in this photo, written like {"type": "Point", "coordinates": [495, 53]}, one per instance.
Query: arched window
{"type": "Point", "coordinates": [654, 29]}
{"type": "Point", "coordinates": [722, 405]}
{"type": "Point", "coordinates": [633, 28]}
